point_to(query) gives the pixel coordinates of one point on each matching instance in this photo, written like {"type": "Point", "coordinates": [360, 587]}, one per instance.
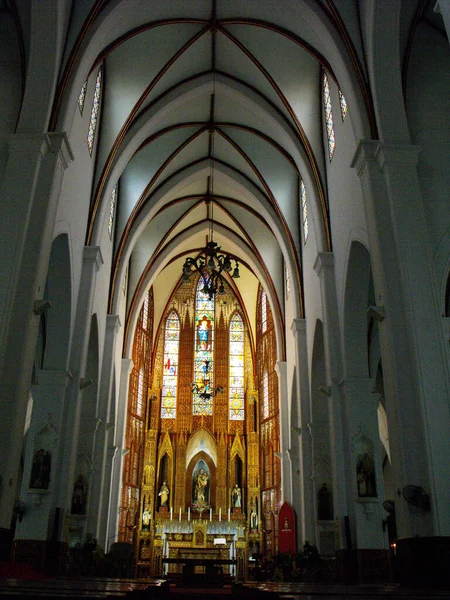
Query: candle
{"type": "Point", "coordinates": [229, 514]}
{"type": "Point", "coordinates": [220, 514]}
{"type": "Point", "coordinates": [179, 516]}
{"type": "Point", "coordinates": [189, 513]}
{"type": "Point", "coordinates": [171, 512]}
{"type": "Point", "coordinates": [210, 514]}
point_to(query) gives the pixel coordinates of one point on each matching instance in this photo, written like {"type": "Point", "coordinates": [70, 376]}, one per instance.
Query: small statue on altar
{"type": "Point", "coordinates": [164, 494]}
{"type": "Point", "coordinates": [253, 520]}
{"type": "Point", "coordinates": [200, 487]}
{"type": "Point", "coordinates": [236, 497]}
{"type": "Point", "coordinates": [146, 519]}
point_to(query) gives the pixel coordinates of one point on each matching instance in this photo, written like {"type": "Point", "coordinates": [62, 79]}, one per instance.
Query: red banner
{"type": "Point", "coordinates": [287, 530]}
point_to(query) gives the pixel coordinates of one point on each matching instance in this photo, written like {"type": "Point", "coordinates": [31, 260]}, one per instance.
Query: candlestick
{"type": "Point", "coordinates": [220, 514]}
{"type": "Point", "coordinates": [171, 512]}
{"type": "Point", "coordinates": [179, 515]}
{"type": "Point", "coordinates": [189, 513]}
{"type": "Point", "coordinates": [229, 514]}
{"type": "Point", "coordinates": [210, 514]}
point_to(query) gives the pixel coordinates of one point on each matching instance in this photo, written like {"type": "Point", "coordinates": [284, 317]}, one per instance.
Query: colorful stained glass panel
{"type": "Point", "coordinates": [236, 379]}
{"type": "Point", "coordinates": [170, 368]}
{"type": "Point", "coordinates": [94, 111]}
{"type": "Point", "coordinates": [328, 116]}
{"type": "Point", "coordinates": [203, 352]}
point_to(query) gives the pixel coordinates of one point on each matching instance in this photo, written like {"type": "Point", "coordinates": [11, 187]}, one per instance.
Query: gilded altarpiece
{"type": "Point", "coordinates": [228, 449]}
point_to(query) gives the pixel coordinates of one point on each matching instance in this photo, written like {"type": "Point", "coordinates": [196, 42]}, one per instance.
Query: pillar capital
{"type": "Point", "coordinates": [298, 326]}
{"type": "Point", "coordinates": [383, 155]}
{"type": "Point", "coordinates": [43, 144]}
{"type": "Point", "coordinates": [113, 323]}
{"type": "Point", "coordinates": [324, 260]}
{"type": "Point", "coordinates": [93, 254]}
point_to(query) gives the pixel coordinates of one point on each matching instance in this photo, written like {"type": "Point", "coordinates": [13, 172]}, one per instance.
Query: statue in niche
{"type": "Point", "coordinates": [324, 504]}
{"type": "Point", "coordinates": [40, 470]}
{"type": "Point", "coordinates": [79, 496]}
{"type": "Point", "coordinates": [164, 494]}
{"type": "Point", "coordinates": [146, 519]}
{"type": "Point", "coordinates": [236, 497]}
{"type": "Point", "coordinates": [253, 520]}
{"type": "Point", "coordinates": [365, 476]}
{"type": "Point", "coordinates": [200, 487]}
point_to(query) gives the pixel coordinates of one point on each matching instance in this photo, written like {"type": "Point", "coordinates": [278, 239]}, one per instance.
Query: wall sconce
{"type": "Point", "coordinates": [41, 305]}
{"type": "Point", "coordinates": [376, 313]}
{"type": "Point", "coordinates": [325, 389]}
{"type": "Point", "coordinates": [84, 383]}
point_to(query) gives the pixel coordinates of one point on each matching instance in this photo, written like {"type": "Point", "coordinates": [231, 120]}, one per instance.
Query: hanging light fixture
{"type": "Point", "coordinates": [211, 262]}
{"type": "Point", "coordinates": [203, 387]}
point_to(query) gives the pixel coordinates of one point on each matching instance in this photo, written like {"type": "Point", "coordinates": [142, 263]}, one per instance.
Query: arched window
{"type": "Point", "coordinates": [170, 372]}
{"type": "Point", "coordinates": [203, 351]}
{"type": "Point", "coordinates": [304, 211]}
{"type": "Point", "coordinates": [343, 103]}
{"type": "Point", "coordinates": [265, 398]}
{"type": "Point", "coordinates": [94, 111]}
{"type": "Point", "coordinates": [236, 368]}
{"type": "Point", "coordinates": [263, 312]}
{"type": "Point", "coordinates": [140, 394]}
{"type": "Point", "coordinates": [82, 97]}
{"type": "Point", "coordinates": [328, 115]}
{"type": "Point", "coordinates": [112, 210]}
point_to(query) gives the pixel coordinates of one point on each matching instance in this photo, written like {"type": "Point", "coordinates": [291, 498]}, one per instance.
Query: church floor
{"type": "Point", "coordinates": [111, 589]}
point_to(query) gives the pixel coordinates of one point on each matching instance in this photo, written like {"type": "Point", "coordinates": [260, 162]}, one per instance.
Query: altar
{"type": "Point", "coordinates": [199, 550]}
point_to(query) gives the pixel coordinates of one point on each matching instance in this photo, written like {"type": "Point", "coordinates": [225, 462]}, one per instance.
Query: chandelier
{"type": "Point", "coordinates": [203, 387]}
{"type": "Point", "coordinates": [211, 264]}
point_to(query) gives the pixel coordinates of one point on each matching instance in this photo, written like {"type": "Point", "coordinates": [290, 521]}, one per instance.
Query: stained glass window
{"type": "Point", "coordinates": [288, 280]}
{"type": "Point", "coordinates": [328, 116]}
{"type": "Point", "coordinates": [94, 111]}
{"type": "Point", "coordinates": [82, 97]}
{"type": "Point", "coordinates": [236, 368]}
{"type": "Point", "coordinates": [343, 103]}
{"type": "Point", "coordinates": [304, 207]}
{"type": "Point", "coordinates": [265, 402]}
{"type": "Point", "coordinates": [263, 312]}
{"type": "Point", "coordinates": [203, 351]}
{"type": "Point", "coordinates": [145, 313]}
{"type": "Point", "coordinates": [170, 370]}
{"type": "Point", "coordinates": [140, 394]}
{"type": "Point", "coordinates": [112, 210]}
{"type": "Point", "coordinates": [124, 282]}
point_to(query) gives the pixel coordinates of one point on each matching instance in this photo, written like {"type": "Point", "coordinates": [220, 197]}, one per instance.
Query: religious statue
{"type": "Point", "coordinates": [365, 476]}
{"type": "Point", "coordinates": [40, 470]}
{"type": "Point", "coordinates": [79, 496]}
{"type": "Point", "coordinates": [146, 519]}
{"type": "Point", "coordinates": [164, 494]}
{"type": "Point", "coordinates": [200, 487]}
{"type": "Point", "coordinates": [324, 504]}
{"type": "Point", "coordinates": [253, 520]}
{"type": "Point", "coordinates": [236, 497]}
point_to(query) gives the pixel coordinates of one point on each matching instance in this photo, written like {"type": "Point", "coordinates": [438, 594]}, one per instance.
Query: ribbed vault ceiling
{"type": "Point", "coordinates": [210, 114]}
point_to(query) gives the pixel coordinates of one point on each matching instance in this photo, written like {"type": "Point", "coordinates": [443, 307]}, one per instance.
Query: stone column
{"type": "Point", "coordinates": [105, 434]}
{"type": "Point", "coordinates": [92, 262]}
{"type": "Point", "coordinates": [29, 197]}
{"type": "Point", "coordinates": [44, 431]}
{"type": "Point", "coordinates": [324, 268]}
{"type": "Point", "coordinates": [416, 378]}
{"type": "Point", "coordinates": [121, 422]}
{"type": "Point", "coordinates": [285, 460]}
{"type": "Point", "coordinates": [304, 501]}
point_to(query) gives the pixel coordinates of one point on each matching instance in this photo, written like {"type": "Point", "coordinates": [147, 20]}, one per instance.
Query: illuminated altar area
{"type": "Point", "coordinates": [192, 476]}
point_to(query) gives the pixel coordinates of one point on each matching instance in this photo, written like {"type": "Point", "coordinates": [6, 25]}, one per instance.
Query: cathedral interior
{"type": "Point", "coordinates": [225, 299]}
